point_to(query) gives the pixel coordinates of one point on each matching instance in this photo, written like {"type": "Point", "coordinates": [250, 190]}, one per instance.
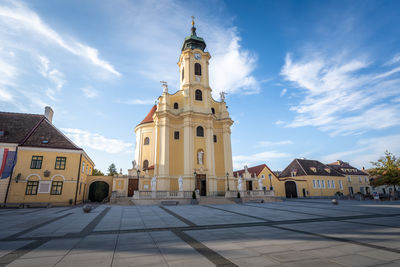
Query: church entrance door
{"type": "Point", "coordinates": [201, 184]}
{"type": "Point", "coordinates": [249, 185]}
{"type": "Point", "coordinates": [132, 186]}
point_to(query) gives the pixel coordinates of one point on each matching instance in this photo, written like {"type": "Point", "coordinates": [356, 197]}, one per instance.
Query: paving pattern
{"type": "Point", "coordinates": [288, 233]}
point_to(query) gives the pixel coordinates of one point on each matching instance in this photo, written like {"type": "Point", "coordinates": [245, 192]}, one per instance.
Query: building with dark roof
{"type": "Point", "coordinates": [49, 167]}
{"type": "Point", "coordinates": [357, 180]}
{"type": "Point", "coordinates": [311, 178]}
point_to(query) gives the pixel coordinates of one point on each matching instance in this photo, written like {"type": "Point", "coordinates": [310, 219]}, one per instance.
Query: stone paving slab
{"type": "Point", "coordinates": [267, 234]}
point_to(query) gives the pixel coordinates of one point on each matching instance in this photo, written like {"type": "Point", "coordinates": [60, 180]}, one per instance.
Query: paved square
{"type": "Point", "coordinates": [288, 233]}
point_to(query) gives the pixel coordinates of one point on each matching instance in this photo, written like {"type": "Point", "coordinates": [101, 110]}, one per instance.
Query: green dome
{"type": "Point", "coordinates": [193, 41]}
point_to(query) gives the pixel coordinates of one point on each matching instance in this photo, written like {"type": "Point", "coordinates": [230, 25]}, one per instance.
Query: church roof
{"type": "Point", "coordinates": [149, 117]}
{"type": "Point", "coordinates": [193, 41]}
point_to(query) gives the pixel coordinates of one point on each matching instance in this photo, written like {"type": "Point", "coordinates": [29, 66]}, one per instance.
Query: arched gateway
{"type": "Point", "coordinates": [98, 191]}
{"type": "Point", "coordinates": [291, 189]}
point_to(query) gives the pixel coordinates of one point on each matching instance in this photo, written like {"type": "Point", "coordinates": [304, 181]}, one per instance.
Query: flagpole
{"type": "Point", "coordinates": [12, 171]}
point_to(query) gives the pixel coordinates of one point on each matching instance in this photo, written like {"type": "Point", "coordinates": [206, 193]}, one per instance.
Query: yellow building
{"type": "Point", "coordinates": [356, 180]}
{"type": "Point", "coordinates": [187, 134]}
{"type": "Point", "coordinates": [311, 178]}
{"type": "Point", "coordinates": [50, 168]}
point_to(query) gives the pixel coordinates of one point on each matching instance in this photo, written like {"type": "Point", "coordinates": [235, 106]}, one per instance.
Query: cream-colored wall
{"type": "Point", "coordinates": [176, 152]}
{"type": "Point", "coordinates": [316, 191]}
{"type": "Point", "coordinates": [356, 184]}
{"type": "Point", "coordinates": [69, 176]}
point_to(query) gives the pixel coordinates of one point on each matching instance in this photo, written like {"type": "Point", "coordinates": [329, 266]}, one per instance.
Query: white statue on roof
{"type": "Point", "coordinates": [222, 96]}
{"type": "Point", "coordinates": [165, 86]}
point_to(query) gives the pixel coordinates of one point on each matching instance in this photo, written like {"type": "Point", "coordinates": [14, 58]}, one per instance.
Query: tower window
{"type": "Point", "coordinates": [176, 135]}
{"type": "Point", "coordinates": [197, 69]}
{"type": "Point", "coordinates": [176, 105]}
{"type": "Point", "coordinates": [199, 95]}
{"type": "Point", "coordinates": [147, 141]}
{"type": "Point", "coordinates": [200, 131]}
{"type": "Point", "coordinates": [183, 73]}
{"type": "Point", "coordinates": [145, 164]}
{"type": "Point", "coordinates": [215, 138]}
{"type": "Point", "coordinates": [212, 110]}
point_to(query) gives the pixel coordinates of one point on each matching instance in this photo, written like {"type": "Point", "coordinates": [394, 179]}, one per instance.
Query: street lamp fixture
{"type": "Point", "coordinates": [227, 180]}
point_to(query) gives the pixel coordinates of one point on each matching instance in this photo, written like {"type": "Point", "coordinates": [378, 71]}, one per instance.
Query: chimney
{"type": "Point", "coordinates": [48, 113]}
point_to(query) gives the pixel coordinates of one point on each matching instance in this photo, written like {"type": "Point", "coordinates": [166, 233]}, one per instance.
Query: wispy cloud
{"type": "Point", "coordinates": [20, 19]}
{"type": "Point", "coordinates": [367, 150]}
{"type": "Point", "coordinates": [258, 158]}
{"type": "Point", "coordinates": [343, 96]}
{"type": "Point", "coordinates": [275, 143]}
{"type": "Point", "coordinates": [283, 92]}
{"type": "Point", "coordinates": [395, 59]}
{"type": "Point", "coordinates": [90, 92]}
{"type": "Point", "coordinates": [96, 141]}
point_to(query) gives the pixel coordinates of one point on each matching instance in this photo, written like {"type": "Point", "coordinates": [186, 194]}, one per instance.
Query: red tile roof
{"type": "Point", "coordinates": [252, 170]}
{"type": "Point", "coordinates": [149, 117]}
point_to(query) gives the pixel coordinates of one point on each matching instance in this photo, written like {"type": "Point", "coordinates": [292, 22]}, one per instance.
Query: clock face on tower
{"type": "Point", "coordinates": [197, 56]}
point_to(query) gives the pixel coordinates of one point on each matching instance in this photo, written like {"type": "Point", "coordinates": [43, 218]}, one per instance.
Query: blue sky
{"type": "Point", "coordinates": [313, 79]}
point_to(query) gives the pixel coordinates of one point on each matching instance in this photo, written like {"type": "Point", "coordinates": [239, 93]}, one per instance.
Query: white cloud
{"type": "Point", "coordinates": [231, 65]}
{"type": "Point", "coordinates": [342, 96]}
{"type": "Point", "coordinates": [258, 158]}
{"type": "Point", "coordinates": [5, 96]}
{"type": "Point", "coordinates": [367, 150]}
{"type": "Point", "coordinates": [98, 142]}
{"type": "Point", "coordinates": [53, 75]}
{"type": "Point", "coordinates": [393, 60]}
{"type": "Point", "coordinates": [90, 92]}
{"type": "Point", "coordinates": [283, 91]}
{"type": "Point", "coordinates": [276, 143]}
{"type": "Point", "coordinates": [279, 122]}
{"type": "Point", "coordinates": [21, 20]}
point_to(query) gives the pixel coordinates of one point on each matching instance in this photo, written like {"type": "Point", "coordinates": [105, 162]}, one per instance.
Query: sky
{"type": "Point", "coordinates": [312, 79]}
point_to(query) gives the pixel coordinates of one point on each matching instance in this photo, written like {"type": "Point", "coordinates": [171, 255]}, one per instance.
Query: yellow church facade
{"type": "Point", "coordinates": [184, 143]}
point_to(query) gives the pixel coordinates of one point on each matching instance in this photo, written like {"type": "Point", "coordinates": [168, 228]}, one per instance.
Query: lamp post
{"type": "Point", "coordinates": [270, 182]}
{"type": "Point", "coordinates": [227, 180]}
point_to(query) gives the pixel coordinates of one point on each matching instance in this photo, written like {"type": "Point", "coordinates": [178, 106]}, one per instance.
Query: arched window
{"type": "Point", "coordinates": [212, 110]}
{"type": "Point", "coordinates": [199, 95]}
{"type": "Point", "coordinates": [200, 131]}
{"type": "Point", "coordinates": [147, 141]}
{"type": "Point", "coordinates": [183, 73]}
{"type": "Point", "coordinates": [197, 69]}
{"type": "Point", "coordinates": [176, 105]}
{"type": "Point", "coordinates": [145, 164]}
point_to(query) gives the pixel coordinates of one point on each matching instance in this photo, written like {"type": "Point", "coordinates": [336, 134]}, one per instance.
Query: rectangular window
{"type": "Point", "coordinates": [333, 184]}
{"type": "Point", "coordinates": [215, 138]}
{"type": "Point", "coordinates": [176, 135]}
{"type": "Point", "coordinates": [314, 184]}
{"type": "Point", "coordinates": [60, 163]}
{"type": "Point", "coordinates": [323, 183]}
{"type": "Point", "coordinates": [366, 179]}
{"type": "Point", "coordinates": [32, 188]}
{"type": "Point", "coordinates": [56, 188]}
{"type": "Point", "coordinates": [36, 162]}
{"type": "Point", "coordinates": [340, 184]}
{"type": "Point", "coordinates": [360, 179]}
{"type": "Point", "coordinates": [329, 184]}
{"type": "Point", "coordinates": [83, 167]}
{"type": "Point", "coordinates": [348, 179]}
{"type": "Point", "coordinates": [319, 184]}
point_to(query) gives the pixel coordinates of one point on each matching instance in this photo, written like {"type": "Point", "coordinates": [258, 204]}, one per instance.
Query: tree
{"type": "Point", "coordinates": [97, 172]}
{"type": "Point", "coordinates": [112, 170]}
{"type": "Point", "coordinates": [386, 171]}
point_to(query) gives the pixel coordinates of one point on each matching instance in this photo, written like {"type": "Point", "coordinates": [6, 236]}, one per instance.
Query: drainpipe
{"type": "Point", "coordinates": [9, 181]}
{"type": "Point", "coordinates": [79, 177]}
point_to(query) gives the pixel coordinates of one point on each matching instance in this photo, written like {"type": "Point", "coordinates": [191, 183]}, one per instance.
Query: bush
{"type": "Point", "coordinates": [238, 195]}
{"type": "Point", "coordinates": [194, 195]}
{"type": "Point", "coordinates": [339, 194]}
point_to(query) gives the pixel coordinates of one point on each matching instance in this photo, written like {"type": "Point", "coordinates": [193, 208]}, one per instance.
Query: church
{"type": "Point", "coordinates": [184, 142]}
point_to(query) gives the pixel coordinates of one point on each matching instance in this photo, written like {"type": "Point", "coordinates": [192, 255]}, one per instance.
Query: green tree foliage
{"type": "Point", "coordinates": [386, 171]}
{"type": "Point", "coordinates": [97, 172]}
{"type": "Point", "coordinates": [112, 170]}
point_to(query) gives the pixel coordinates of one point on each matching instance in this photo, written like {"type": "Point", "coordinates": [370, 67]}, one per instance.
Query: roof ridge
{"type": "Point", "coordinates": [32, 130]}
{"type": "Point", "coordinates": [21, 113]}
